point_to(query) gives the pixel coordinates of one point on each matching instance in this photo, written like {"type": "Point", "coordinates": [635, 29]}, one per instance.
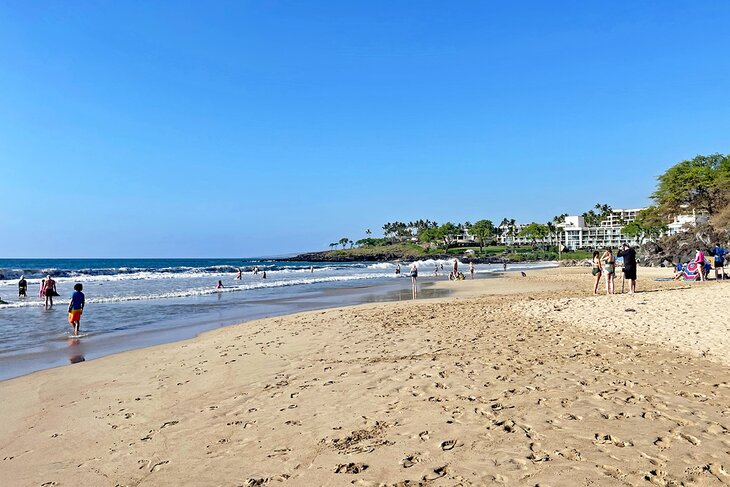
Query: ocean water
{"type": "Point", "coordinates": [132, 303]}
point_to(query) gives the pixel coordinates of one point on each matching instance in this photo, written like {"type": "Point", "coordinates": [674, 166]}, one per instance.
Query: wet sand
{"type": "Point", "coordinates": [514, 381]}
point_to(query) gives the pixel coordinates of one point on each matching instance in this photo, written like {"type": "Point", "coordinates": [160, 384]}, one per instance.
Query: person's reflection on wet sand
{"type": "Point", "coordinates": [75, 351]}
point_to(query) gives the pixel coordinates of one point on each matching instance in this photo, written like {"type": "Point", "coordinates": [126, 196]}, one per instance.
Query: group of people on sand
{"type": "Point", "coordinates": [605, 265]}
{"type": "Point", "coordinates": [704, 264]}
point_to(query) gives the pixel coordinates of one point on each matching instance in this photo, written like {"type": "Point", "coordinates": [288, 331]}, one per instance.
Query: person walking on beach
{"type": "Point", "coordinates": [629, 256]}
{"type": "Point", "coordinates": [719, 253]}
{"type": "Point", "coordinates": [700, 260]}
{"type": "Point", "coordinates": [49, 291]}
{"type": "Point", "coordinates": [609, 268]}
{"type": "Point", "coordinates": [455, 268]}
{"type": "Point", "coordinates": [596, 271]}
{"type": "Point", "coordinates": [76, 307]}
{"type": "Point", "coordinates": [471, 269]}
{"type": "Point", "coordinates": [414, 278]}
{"type": "Point", "coordinates": [22, 287]}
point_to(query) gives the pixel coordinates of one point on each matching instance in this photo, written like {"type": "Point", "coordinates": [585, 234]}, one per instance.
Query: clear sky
{"type": "Point", "coordinates": [170, 129]}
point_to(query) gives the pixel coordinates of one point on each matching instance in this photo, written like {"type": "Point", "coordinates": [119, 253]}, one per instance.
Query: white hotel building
{"type": "Point", "coordinates": [577, 235]}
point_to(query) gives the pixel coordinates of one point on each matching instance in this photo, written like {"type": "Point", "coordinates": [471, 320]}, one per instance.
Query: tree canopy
{"type": "Point", "coordinates": [700, 184]}
{"type": "Point", "coordinates": [534, 232]}
{"type": "Point", "coordinates": [482, 230]}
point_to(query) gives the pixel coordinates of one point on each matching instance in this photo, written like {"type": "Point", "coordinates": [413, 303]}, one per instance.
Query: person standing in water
{"type": "Point", "coordinates": [50, 291]}
{"type": "Point", "coordinates": [264, 276]}
{"type": "Point", "coordinates": [238, 276]}
{"type": "Point", "coordinates": [455, 268]}
{"type": "Point", "coordinates": [220, 285]}
{"type": "Point", "coordinates": [471, 269]}
{"type": "Point", "coordinates": [76, 307]}
{"type": "Point", "coordinates": [414, 279]}
{"type": "Point", "coordinates": [22, 287]}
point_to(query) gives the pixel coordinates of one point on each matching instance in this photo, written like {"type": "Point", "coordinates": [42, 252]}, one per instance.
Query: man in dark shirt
{"type": "Point", "coordinates": [629, 256]}
{"type": "Point", "coordinates": [22, 287]}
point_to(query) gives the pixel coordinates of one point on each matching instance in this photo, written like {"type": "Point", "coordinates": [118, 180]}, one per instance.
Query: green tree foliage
{"type": "Point", "coordinates": [699, 184]}
{"type": "Point", "coordinates": [649, 224]}
{"type": "Point", "coordinates": [534, 232]}
{"type": "Point", "coordinates": [344, 241]}
{"type": "Point", "coordinates": [447, 233]}
{"type": "Point", "coordinates": [428, 235]}
{"type": "Point", "coordinates": [371, 242]}
{"type": "Point", "coordinates": [482, 230]}
{"type": "Point", "coordinates": [634, 230]}
{"type": "Point", "coordinates": [596, 215]}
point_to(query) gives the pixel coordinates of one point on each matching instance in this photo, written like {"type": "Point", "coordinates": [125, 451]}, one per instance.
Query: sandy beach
{"type": "Point", "coordinates": [511, 381]}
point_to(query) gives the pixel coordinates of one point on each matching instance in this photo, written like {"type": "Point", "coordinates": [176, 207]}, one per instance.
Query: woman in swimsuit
{"type": "Point", "coordinates": [609, 268]}
{"type": "Point", "coordinates": [700, 260]}
{"type": "Point", "coordinates": [596, 271]}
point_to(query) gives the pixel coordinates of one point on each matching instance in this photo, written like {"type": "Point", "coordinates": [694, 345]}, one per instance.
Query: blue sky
{"type": "Point", "coordinates": [169, 129]}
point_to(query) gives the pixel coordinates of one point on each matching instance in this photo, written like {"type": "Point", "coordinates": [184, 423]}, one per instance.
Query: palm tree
{"type": "Point", "coordinates": [513, 230]}
{"type": "Point", "coordinates": [551, 231]}
{"type": "Point", "coordinates": [333, 245]}
{"type": "Point", "coordinates": [368, 232]}
{"type": "Point", "coordinates": [343, 241]}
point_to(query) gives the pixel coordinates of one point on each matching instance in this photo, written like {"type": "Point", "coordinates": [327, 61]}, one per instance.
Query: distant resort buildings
{"type": "Point", "coordinates": [573, 232]}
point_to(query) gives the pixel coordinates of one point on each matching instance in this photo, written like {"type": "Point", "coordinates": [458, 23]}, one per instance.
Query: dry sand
{"type": "Point", "coordinates": [492, 387]}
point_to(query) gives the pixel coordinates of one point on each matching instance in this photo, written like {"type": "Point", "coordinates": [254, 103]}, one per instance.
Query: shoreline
{"type": "Point", "coordinates": [24, 362]}
{"type": "Point", "coordinates": [380, 393]}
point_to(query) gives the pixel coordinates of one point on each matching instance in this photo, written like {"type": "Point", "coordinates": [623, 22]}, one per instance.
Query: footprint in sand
{"type": "Point", "coordinates": [437, 473]}
{"type": "Point", "coordinates": [424, 435]}
{"type": "Point", "coordinates": [256, 482]}
{"type": "Point", "coordinates": [158, 465]}
{"type": "Point", "coordinates": [351, 468]}
{"type": "Point", "coordinates": [613, 472]}
{"type": "Point", "coordinates": [601, 439]}
{"type": "Point", "coordinates": [448, 445]}
{"type": "Point", "coordinates": [410, 460]}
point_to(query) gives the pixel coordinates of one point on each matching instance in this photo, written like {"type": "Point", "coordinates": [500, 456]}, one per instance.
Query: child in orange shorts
{"type": "Point", "coordinates": [76, 307]}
